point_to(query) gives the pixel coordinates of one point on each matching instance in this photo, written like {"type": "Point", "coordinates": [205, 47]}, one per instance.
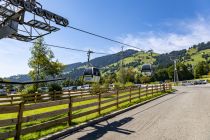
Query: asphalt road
{"type": "Point", "coordinates": [184, 115]}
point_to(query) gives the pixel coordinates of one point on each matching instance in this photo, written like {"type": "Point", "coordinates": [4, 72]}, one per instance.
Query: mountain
{"type": "Point", "coordinates": [111, 63]}
{"type": "Point", "coordinates": [196, 53]}
{"type": "Point", "coordinates": [100, 62]}
{"type": "Point", "coordinates": [76, 70]}
{"type": "Point", "coordinates": [19, 78]}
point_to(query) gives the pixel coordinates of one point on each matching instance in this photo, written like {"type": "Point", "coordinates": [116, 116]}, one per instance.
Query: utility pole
{"type": "Point", "coordinates": [88, 54]}
{"type": "Point", "coordinates": [176, 76]}
{"type": "Point", "coordinates": [122, 65]}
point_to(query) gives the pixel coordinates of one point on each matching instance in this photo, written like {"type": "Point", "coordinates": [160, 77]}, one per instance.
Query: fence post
{"type": "Point", "coordinates": [53, 96]}
{"type": "Point", "coordinates": [140, 94]}
{"type": "Point", "coordinates": [117, 98]}
{"type": "Point", "coordinates": [35, 99]}
{"type": "Point", "coordinates": [130, 95]}
{"type": "Point", "coordinates": [19, 121]}
{"type": "Point", "coordinates": [146, 90]}
{"type": "Point", "coordinates": [152, 90]}
{"type": "Point", "coordinates": [11, 100]}
{"type": "Point", "coordinates": [160, 87]}
{"type": "Point", "coordinates": [70, 111]}
{"type": "Point", "coordinates": [99, 103]}
{"type": "Point", "coordinates": [164, 88]}
{"type": "Point", "coordinates": [155, 89]}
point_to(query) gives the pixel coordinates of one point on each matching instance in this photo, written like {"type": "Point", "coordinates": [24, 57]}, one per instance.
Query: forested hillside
{"type": "Point", "coordinates": [131, 58]}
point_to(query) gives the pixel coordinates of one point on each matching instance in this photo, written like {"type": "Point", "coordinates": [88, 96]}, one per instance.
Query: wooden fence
{"type": "Point", "coordinates": [39, 97]}
{"type": "Point", "coordinates": [76, 107]}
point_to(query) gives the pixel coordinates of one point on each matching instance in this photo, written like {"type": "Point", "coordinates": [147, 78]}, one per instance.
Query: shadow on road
{"type": "Point", "coordinates": [101, 130]}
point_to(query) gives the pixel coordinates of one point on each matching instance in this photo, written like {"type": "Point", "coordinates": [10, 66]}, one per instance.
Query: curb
{"type": "Point", "coordinates": [69, 131]}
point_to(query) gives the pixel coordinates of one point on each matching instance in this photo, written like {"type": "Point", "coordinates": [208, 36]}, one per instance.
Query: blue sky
{"type": "Point", "coordinates": [161, 25]}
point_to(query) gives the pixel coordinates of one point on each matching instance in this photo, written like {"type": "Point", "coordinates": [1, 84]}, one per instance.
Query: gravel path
{"type": "Point", "coordinates": [184, 115]}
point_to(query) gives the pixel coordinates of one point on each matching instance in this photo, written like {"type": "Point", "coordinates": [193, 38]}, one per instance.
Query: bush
{"type": "Point", "coordinates": [29, 90]}
{"type": "Point", "coordinates": [95, 88]}
{"type": "Point", "coordinates": [119, 85]}
{"type": "Point", "coordinates": [105, 88]}
{"type": "Point", "coordinates": [129, 84]}
{"type": "Point", "coordinates": [54, 87]}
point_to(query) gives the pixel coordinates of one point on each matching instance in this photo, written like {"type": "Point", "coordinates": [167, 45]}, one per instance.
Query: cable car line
{"type": "Point", "coordinates": [103, 37]}
{"type": "Point", "coordinates": [67, 48]}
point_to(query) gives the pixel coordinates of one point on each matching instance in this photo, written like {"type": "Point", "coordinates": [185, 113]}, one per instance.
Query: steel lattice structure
{"type": "Point", "coordinates": [26, 20]}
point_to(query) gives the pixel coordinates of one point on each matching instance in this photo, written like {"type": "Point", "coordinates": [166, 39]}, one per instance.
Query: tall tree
{"type": "Point", "coordinates": [41, 61]}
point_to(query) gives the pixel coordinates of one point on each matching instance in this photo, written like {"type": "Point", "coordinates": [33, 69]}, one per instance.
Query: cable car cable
{"type": "Point", "coordinates": [67, 48]}
{"type": "Point", "coordinates": [103, 37]}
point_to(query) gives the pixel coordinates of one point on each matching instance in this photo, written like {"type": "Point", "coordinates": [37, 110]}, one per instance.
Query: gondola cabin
{"type": "Point", "coordinates": [147, 70]}
{"type": "Point", "coordinates": [92, 75]}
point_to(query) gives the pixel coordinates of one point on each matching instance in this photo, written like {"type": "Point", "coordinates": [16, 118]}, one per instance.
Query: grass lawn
{"type": "Point", "coordinates": [39, 134]}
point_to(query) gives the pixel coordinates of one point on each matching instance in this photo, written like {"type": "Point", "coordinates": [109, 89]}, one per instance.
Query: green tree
{"type": "Point", "coordinates": [161, 75]}
{"type": "Point", "coordinates": [130, 75]}
{"type": "Point", "coordinates": [183, 72]}
{"type": "Point", "coordinates": [109, 78]}
{"type": "Point", "coordinates": [68, 82]}
{"type": "Point", "coordinates": [79, 81]}
{"type": "Point", "coordinates": [121, 75]}
{"type": "Point", "coordinates": [54, 68]}
{"type": "Point", "coordinates": [202, 68]}
{"type": "Point", "coordinates": [145, 79]}
{"type": "Point", "coordinates": [41, 61]}
{"type": "Point", "coordinates": [205, 56]}
{"type": "Point", "coordinates": [138, 78]}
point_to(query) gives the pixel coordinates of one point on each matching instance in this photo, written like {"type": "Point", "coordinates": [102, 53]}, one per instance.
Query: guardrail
{"type": "Point", "coordinates": [76, 107]}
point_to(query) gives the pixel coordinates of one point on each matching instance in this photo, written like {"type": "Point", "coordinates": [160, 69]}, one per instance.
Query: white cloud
{"type": "Point", "coordinates": [114, 50]}
{"type": "Point", "coordinates": [193, 32]}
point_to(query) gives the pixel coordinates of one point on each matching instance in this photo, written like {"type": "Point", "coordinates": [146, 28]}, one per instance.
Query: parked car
{"type": "Point", "coordinates": [73, 88]}
{"type": "Point", "coordinates": [204, 81]}
{"type": "Point", "coordinates": [65, 89]}
{"type": "Point", "coordinates": [3, 92]}
{"type": "Point", "coordinates": [187, 83]}
{"type": "Point", "coordinates": [197, 82]}
{"type": "Point", "coordinates": [43, 90]}
{"type": "Point", "coordinates": [138, 85]}
{"type": "Point", "coordinates": [13, 91]}
{"type": "Point", "coordinates": [86, 87]}
{"type": "Point", "coordinates": [69, 88]}
{"type": "Point", "coordinates": [79, 87]}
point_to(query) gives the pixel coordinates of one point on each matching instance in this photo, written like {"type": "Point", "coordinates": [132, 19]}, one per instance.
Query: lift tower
{"type": "Point", "coordinates": [26, 20]}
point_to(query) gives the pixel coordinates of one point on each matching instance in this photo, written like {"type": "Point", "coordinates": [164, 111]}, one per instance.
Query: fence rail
{"type": "Point", "coordinates": [75, 107]}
